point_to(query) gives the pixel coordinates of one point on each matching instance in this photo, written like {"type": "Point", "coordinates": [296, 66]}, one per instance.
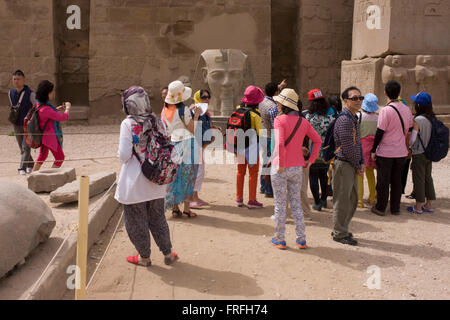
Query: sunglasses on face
{"type": "Point", "coordinates": [206, 97]}
{"type": "Point", "coordinates": [361, 98]}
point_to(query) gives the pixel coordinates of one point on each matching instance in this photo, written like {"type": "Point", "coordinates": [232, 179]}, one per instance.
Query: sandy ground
{"type": "Point", "coordinates": [225, 253]}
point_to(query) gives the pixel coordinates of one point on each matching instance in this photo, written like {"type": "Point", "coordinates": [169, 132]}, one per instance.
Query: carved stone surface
{"type": "Point", "coordinates": [407, 27]}
{"type": "Point", "coordinates": [428, 73]}
{"type": "Point", "coordinates": [227, 73]}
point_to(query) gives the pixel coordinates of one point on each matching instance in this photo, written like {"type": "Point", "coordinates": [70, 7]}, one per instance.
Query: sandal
{"type": "Point", "coordinates": [135, 260]}
{"type": "Point", "coordinates": [410, 197]}
{"type": "Point", "coordinates": [425, 209]}
{"type": "Point", "coordinates": [176, 213]}
{"type": "Point", "coordinates": [172, 259]}
{"type": "Point", "coordinates": [195, 205]}
{"type": "Point", "coordinates": [190, 214]}
{"type": "Point", "coordinates": [413, 210]}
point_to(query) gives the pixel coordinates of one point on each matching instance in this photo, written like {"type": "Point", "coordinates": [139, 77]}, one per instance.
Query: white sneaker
{"type": "Point", "coordinates": [29, 170]}
{"type": "Point", "coordinates": [22, 172]}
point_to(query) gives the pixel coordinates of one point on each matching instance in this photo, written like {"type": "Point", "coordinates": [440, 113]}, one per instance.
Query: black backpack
{"type": "Point", "coordinates": [239, 120]}
{"type": "Point", "coordinates": [437, 147]}
{"type": "Point", "coordinates": [329, 148]}
{"type": "Point", "coordinates": [32, 129]}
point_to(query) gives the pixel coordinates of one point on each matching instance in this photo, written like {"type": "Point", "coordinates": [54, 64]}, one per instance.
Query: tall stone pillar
{"type": "Point", "coordinates": [405, 41]}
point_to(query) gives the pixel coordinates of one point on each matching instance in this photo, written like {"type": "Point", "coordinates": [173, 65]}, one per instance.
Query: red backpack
{"type": "Point", "coordinates": [32, 129]}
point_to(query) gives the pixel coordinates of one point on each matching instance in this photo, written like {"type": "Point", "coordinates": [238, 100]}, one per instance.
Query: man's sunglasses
{"type": "Point", "coordinates": [361, 98]}
{"type": "Point", "coordinates": [205, 97]}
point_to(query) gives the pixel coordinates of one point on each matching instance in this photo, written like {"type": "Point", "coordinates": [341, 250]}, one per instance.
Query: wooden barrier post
{"type": "Point", "coordinates": [82, 242]}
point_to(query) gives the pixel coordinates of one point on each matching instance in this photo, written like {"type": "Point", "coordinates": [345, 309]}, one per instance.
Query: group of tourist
{"type": "Point", "coordinates": [293, 138]}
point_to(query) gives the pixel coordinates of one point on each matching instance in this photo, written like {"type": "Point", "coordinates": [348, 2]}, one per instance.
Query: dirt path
{"type": "Point", "coordinates": [225, 254]}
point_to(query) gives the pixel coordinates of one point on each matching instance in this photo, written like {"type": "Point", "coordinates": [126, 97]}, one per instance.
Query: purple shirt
{"type": "Point", "coordinates": [348, 137]}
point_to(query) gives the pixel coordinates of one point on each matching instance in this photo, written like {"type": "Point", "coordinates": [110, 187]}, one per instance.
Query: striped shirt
{"type": "Point", "coordinates": [348, 137]}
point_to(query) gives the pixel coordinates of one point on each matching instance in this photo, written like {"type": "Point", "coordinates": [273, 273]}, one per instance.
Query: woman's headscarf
{"type": "Point", "coordinates": [136, 105]}
{"type": "Point", "coordinates": [197, 97]}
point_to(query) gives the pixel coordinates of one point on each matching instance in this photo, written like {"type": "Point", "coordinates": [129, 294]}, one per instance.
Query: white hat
{"type": "Point", "coordinates": [177, 93]}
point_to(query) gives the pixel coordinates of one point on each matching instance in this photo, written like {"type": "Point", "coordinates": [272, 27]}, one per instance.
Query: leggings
{"type": "Point", "coordinates": [316, 174]}
{"type": "Point", "coordinates": [58, 155]}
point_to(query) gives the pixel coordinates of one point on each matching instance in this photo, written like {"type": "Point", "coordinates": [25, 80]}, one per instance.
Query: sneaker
{"type": "Point", "coordinates": [324, 204]}
{"type": "Point", "coordinates": [377, 212]}
{"type": "Point", "coordinates": [301, 244]}
{"type": "Point", "coordinates": [347, 240]}
{"type": "Point", "coordinates": [279, 244]}
{"type": "Point", "coordinates": [395, 213]}
{"type": "Point", "coordinates": [317, 207]}
{"type": "Point", "coordinates": [29, 170]}
{"type": "Point", "coordinates": [22, 172]}
{"type": "Point", "coordinates": [254, 204]}
{"type": "Point", "coordinates": [240, 202]}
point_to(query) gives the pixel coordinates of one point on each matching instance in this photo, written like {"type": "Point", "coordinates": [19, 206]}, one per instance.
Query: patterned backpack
{"type": "Point", "coordinates": [158, 165]}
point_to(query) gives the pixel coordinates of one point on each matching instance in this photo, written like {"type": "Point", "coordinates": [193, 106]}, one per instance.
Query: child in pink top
{"type": "Point", "coordinates": [49, 118]}
{"type": "Point", "coordinates": [288, 163]}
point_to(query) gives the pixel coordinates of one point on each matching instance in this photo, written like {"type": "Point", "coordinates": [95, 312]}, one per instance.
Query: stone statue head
{"type": "Point", "coordinates": [227, 73]}
{"type": "Point", "coordinates": [425, 61]}
{"type": "Point", "coordinates": [396, 61]}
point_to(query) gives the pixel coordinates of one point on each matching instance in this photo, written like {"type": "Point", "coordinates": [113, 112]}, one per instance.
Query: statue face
{"type": "Point", "coordinates": [396, 61]}
{"type": "Point", "coordinates": [424, 60]}
{"type": "Point", "coordinates": [225, 83]}
{"type": "Point", "coordinates": [224, 74]}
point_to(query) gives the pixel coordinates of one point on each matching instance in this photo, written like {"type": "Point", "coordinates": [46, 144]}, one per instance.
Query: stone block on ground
{"type": "Point", "coordinates": [49, 180]}
{"type": "Point", "coordinates": [98, 183]}
{"type": "Point", "coordinates": [25, 222]}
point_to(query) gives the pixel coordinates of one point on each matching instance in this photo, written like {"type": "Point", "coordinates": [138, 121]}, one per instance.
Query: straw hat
{"type": "Point", "coordinates": [177, 93]}
{"type": "Point", "coordinates": [288, 98]}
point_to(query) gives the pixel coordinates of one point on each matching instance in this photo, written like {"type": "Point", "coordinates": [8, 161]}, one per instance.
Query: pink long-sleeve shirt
{"type": "Point", "coordinates": [292, 155]}
{"type": "Point", "coordinates": [49, 139]}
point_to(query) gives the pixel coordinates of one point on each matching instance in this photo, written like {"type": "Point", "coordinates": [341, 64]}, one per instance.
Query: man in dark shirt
{"type": "Point", "coordinates": [28, 100]}
{"type": "Point", "coordinates": [348, 165]}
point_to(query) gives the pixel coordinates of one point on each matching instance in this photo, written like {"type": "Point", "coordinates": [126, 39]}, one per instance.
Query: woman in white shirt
{"type": "Point", "coordinates": [180, 124]}
{"type": "Point", "coordinates": [143, 201]}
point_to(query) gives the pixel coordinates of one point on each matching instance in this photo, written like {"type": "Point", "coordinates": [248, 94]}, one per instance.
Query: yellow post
{"type": "Point", "coordinates": [82, 242]}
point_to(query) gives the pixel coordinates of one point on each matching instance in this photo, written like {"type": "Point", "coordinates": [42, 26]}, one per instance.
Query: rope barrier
{"type": "Point", "coordinates": [69, 160]}
{"type": "Point", "coordinates": [104, 254]}
{"type": "Point", "coordinates": [54, 134]}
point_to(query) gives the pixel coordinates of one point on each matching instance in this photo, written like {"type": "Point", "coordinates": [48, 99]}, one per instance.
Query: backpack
{"type": "Point", "coordinates": [329, 148]}
{"type": "Point", "coordinates": [32, 129]}
{"type": "Point", "coordinates": [437, 148]}
{"type": "Point", "coordinates": [239, 120]}
{"type": "Point", "coordinates": [158, 166]}
{"type": "Point", "coordinates": [206, 124]}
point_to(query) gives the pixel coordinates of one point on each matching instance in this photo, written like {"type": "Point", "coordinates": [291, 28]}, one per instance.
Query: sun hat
{"type": "Point", "coordinates": [422, 99]}
{"type": "Point", "coordinates": [315, 94]}
{"type": "Point", "coordinates": [253, 96]}
{"type": "Point", "coordinates": [177, 93]}
{"type": "Point", "coordinates": [288, 98]}
{"type": "Point", "coordinates": [370, 103]}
